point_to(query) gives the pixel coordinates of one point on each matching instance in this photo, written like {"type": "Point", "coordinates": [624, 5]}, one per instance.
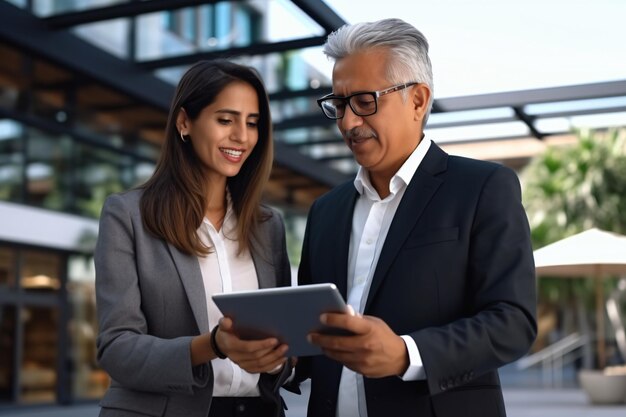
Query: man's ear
{"type": "Point", "coordinates": [182, 122]}
{"type": "Point", "coordinates": [421, 98]}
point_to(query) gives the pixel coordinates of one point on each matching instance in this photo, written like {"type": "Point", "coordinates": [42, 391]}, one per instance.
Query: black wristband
{"type": "Point", "coordinates": [214, 346]}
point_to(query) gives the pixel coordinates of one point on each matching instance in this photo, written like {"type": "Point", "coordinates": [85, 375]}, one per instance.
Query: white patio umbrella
{"type": "Point", "coordinates": [594, 253]}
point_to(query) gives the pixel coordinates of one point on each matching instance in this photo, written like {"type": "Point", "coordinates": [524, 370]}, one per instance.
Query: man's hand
{"type": "Point", "coordinates": [254, 356]}
{"type": "Point", "coordinates": [374, 350]}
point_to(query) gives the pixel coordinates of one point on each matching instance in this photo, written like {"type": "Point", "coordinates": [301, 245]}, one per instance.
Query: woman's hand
{"type": "Point", "coordinates": [253, 356]}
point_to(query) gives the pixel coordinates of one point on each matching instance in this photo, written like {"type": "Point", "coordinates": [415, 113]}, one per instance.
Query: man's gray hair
{"type": "Point", "coordinates": [407, 46]}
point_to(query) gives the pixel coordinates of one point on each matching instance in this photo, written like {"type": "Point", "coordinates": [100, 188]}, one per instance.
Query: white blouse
{"type": "Point", "coordinates": [223, 270]}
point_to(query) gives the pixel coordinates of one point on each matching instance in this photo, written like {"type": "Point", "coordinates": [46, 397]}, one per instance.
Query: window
{"type": "Point", "coordinates": [88, 381]}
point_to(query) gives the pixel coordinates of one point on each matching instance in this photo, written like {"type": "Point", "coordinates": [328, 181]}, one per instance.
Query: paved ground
{"type": "Point", "coordinates": [556, 403]}
{"type": "Point", "coordinates": [529, 402]}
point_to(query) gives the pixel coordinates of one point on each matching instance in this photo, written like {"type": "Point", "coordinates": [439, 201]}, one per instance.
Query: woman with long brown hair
{"type": "Point", "coordinates": [195, 228]}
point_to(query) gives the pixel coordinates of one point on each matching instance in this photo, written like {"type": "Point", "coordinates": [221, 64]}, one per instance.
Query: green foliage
{"type": "Point", "coordinates": [570, 189]}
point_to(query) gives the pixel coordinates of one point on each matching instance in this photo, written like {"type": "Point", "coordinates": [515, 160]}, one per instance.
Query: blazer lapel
{"type": "Point", "coordinates": [189, 271]}
{"type": "Point", "coordinates": [262, 256]}
{"type": "Point", "coordinates": [342, 221]}
{"type": "Point", "coordinates": [416, 197]}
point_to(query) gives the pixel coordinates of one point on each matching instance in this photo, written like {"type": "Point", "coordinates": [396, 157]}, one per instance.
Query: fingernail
{"type": "Point", "coordinates": [323, 318]}
{"type": "Point", "coordinates": [309, 338]}
{"type": "Point", "coordinates": [351, 310]}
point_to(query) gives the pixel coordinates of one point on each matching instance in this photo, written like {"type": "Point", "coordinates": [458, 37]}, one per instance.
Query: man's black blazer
{"type": "Point", "coordinates": [456, 273]}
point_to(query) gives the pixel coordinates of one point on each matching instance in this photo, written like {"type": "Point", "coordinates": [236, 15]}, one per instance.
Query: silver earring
{"type": "Point", "coordinates": [182, 137]}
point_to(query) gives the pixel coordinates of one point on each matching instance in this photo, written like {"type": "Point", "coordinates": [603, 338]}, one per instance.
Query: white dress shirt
{"type": "Point", "coordinates": [370, 225]}
{"type": "Point", "coordinates": [223, 270]}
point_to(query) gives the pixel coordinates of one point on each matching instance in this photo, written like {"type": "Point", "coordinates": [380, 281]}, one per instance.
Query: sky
{"type": "Point", "coordinates": [485, 46]}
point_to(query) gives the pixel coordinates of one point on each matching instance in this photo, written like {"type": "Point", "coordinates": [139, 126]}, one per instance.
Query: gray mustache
{"type": "Point", "coordinates": [360, 133]}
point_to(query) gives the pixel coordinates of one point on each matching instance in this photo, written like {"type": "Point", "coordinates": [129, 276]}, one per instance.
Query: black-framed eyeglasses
{"type": "Point", "coordinates": [362, 104]}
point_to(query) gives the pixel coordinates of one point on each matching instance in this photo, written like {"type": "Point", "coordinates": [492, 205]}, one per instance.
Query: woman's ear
{"type": "Point", "coordinates": [182, 122]}
{"type": "Point", "coordinates": [421, 98]}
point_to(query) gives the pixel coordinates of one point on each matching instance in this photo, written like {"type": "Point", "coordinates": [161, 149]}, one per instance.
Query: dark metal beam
{"type": "Point", "coordinates": [491, 120]}
{"type": "Point", "coordinates": [310, 120]}
{"type": "Point", "coordinates": [304, 186]}
{"type": "Point", "coordinates": [309, 92]}
{"type": "Point", "coordinates": [543, 95]}
{"type": "Point", "coordinates": [307, 166]}
{"type": "Point", "coordinates": [528, 121]}
{"type": "Point", "coordinates": [334, 157]}
{"type": "Point", "coordinates": [436, 108]}
{"type": "Point", "coordinates": [315, 142]}
{"type": "Point", "coordinates": [321, 13]}
{"type": "Point", "coordinates": [62, 129]}
{"type": "Point", "coordinates": [115, 11]}
{"type": "Point", "coordinates": [585, 112]}
{"type": "Point", "coordinates": [253, 49]}
{"type": "Point", "coordinates": [32, 36]}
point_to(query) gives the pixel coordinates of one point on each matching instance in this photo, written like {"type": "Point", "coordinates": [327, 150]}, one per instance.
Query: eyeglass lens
{"type": "Point", "coordinates": [363, 104]}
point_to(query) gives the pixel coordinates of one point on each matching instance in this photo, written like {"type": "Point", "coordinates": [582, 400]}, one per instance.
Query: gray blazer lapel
{"type": "Point", "coordinates": [262, 257]}
{"type": "Point", "coordinates": [189, 272]}
{"type": "Point", "coordinates": [416, 197]}
{"type": "Point", "coordinates": [266, 274]}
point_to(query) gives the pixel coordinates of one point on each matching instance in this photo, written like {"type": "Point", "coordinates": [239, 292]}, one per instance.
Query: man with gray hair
{"type": "Point", "coordinates": [431, 251]}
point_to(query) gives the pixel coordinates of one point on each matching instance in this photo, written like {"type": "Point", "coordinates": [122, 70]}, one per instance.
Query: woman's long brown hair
{"type": "Point", "coordinates": [174, 199]}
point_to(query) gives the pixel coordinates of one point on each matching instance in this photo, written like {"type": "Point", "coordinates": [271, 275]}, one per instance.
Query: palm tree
{"type": "Point", "coordinates": [570, 189]}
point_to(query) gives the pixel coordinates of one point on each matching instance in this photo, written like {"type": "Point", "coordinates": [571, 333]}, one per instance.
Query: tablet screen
{"type": "Point", "coordinates": [287, 313]}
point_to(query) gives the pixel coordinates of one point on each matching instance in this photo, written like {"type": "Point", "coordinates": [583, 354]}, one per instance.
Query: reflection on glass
{"type": "Point", "coordinates": [48, 170]}
{"type": "Point", "coordinates": [99, 173]}
{"type": "Point", "coordinates": [158, 35]}
{"type": "Point", "coordinates": [38, 374]}
{"type": "Point", "coordinates": [11, 160]}
{"type": "Point", "coordinates": [40, 271]}
{"type": "Point", "coordinates": [50, 7]}
{"type": "Point", "coordinates": [110, 35]}
{"type": "Point", "coordinates": [88, 381]}
{"type": "Point", "coordinates": [7, 352]}
{"type": "Point", "coordinates": [143, 171]}
{"type": "Point", "coordinates": [63, 174]}
{"type": "Point", "coordinates": [18, 3]}
{"type": "Point", "coordinates": [205, 27]}
{"type": "Point", "coordinates": [7, 267]}
{"type": "Point", "coordinates": [295, 107]}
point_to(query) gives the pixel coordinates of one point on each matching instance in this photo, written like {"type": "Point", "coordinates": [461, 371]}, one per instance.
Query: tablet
{"type": "Point", "coordinates": [287, 313]}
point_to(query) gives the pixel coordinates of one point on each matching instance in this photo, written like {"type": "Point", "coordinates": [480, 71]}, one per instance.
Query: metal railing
{"type": "Point", "coordinates": [554, 358]}
{"type": "Point", "coordinates": [616, 316]}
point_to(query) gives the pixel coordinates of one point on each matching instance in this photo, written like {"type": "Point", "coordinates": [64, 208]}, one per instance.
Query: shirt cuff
{"type": "Point", "coordinates": [415, 371]}
{"type": "Point", "coordinates": [276, 370]}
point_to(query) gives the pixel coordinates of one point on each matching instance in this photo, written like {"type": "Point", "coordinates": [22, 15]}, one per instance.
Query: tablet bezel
{"type": "Point", "coordinates": [287, 313]}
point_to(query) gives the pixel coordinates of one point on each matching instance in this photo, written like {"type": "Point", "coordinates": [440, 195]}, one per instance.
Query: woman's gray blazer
{"type": "Point", "coordinates": [151, 303]}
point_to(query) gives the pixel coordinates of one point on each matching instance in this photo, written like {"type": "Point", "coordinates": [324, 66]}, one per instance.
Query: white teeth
{"type": "Point", "coordinates": [232, 152]}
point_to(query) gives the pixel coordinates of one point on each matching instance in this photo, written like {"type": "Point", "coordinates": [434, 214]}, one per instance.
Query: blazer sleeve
{"type": "Point", "coordinates": [501, 291]}
{"type": "Point", "coordinates": [126, 350]}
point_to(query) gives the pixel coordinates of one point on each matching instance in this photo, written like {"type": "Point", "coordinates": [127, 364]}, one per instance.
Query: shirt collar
{"type": "Point", "coordinates": [401, 178]}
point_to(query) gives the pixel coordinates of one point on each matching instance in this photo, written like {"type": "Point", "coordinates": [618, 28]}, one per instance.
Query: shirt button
{"type": "Point", "coordinates": [368, 241]}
